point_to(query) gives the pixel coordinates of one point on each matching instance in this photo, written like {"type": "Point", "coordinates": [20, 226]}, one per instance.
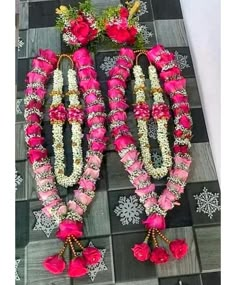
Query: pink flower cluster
{"type": "Point", "coordinates": [141, 111]}
{"type": "Point", "coordinates": [96, 117]}
{"type": "Point", "coordinates": [123, 140]}
{"type": "Point", "coordinates": [160, 111]}
{"type": "Point", "coordinates": [159, 255]}
{"type": "Point", "coordinates": [175, 87]}
{"type": "Point", "coordinates": [43, 65]}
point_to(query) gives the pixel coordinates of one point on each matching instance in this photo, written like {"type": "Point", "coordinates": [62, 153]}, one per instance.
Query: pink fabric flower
{"type": "Point", "coordinates": [172, 73]}
{"type": "Point", "coordinates": [95, 108]}
{"type": "Point", "coordinates": [178, 248]}
{"type": "Point", "coordinates": [98, 146]}
{"type": "Point", "coordinates": [141, 178]}
{"type": "Point", "coordinates": [92, 172]}
{"type": "Point", "coordinates": [145, 190]}
{"type": "Point", "coordinates": [34, 129]}
{"type": "Point", "coordinates": [36, 155]}
{"type": "Point", "coordinates": [118, 116]}
{"type": "Point", "coordinates": [160, 111]}
{"type": "Point", "coordinates": [159, 255]}
{"type": "Point", "coordinates": [81, 52]}
{"type": "Point", "coordinates": [86, 184]}
{"type": "Point", "coordinates": [127, 52]}
{"type": "Point", "coordinates": [75, 114]}
{"type": "Point", "coordinates": [62, 210]}
{"type": "Point", "coordinates": [38, 91]}
{"type": "Point", "coordinates": [43, 65]}
{"type": "Point", "coordinates": [98, 133]}
{"type": "Point", "coordinates": [123, 142]}
{"type": "Point", "coordinates": [33, 77]}
{"type": "Point", "coordinates": [115, 93]}
{"type": "Point", "coordinates": [48, 55]}
{"type": "Point", "coordinates": [135, 166]}
{"type": "Point", "coordinates": [35, 141]}
{"type": "Point", "coordinates": [130, 155]}
{"type": "Point", "coordinates": [33, 118]}
{"type": "Point", "coordinates": [41, 182]}
{"type": "Point", "coordinates": [77, 267]}
{"type": "Point", "coordinates": [90, 98]}
{"type": "Point", "coordinates": [87, 73]}
{"type": "Point", "coordinates": [141, 251]}
{"type": "Point", "coordinates": [96, 120]}
{"type": "Point", "coordinates": [185, 121]}
{"type": "Point", "coordinates": [89, 84]}
{"type": "Point", "coordinates": [94, 159]}
{"type": "Point", "coordinates": [179, 98]}
{"type": "Point", "coordinates": [120, 130]}
{"type": "Point", "coordinates": [45, 195]}
{"type": "Point", "coordinates": [116, 82]}
{"type": "Point", "coordinates": [73, 206]}
{"type": "Point", "coordinates": [91, 255]}
{"type": "Point", "coordinates": [57, 113]}
{"type": "Point", "coordinates": [82, 197]}
{"type": "Point", "coordinates": [118, 105]}
{"type": "Point", "coordinates": [174, 85]}
{"type": "Point", "coordinates": [165, 203]}
{"type": "Point", "coordinates": [54, 264]}
{"type": "Point", "coordinates": [45, 168]}
{"type": "Point", "coordinates": [117, 70]}
{"type": "Point", "coordinates": [154, 52]}
{"type": "Point", "coordinates": [69, 227]}
{"type": "Point", "coordinates": [155, 221]}
{"type": "Point", "coordinates": [150, 202]}
{"type": "Point", "coordinates": [184, 108]}
{"type": "Point", "coordinates": [180, 149]}
{"type": "Point", "coordinates": [141, 111]}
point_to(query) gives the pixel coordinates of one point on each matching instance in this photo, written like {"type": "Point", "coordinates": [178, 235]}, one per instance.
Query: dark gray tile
{"type": "Point", "coordinates": [140, 282]}
{"type": "Point", "coordinates": [44, 38]}
{"type": "Point", "coordinates": [184, 60]}
{"type": "Point", "coordinates": [186, 280]}
{"type": "Point", "coordinates": [116, 174]}
{"type": "Point", "coordinates": [36, 252]}
{"type": "Point", "coordinates": [125, 211]}
{"type": "Point", "coordinates": [127, 268]}
{"type": "Point", "coordinates": [193, 94]}
{"type": "Point", "coordinates": [148, 33]}
{"type": "Point", "coordinates": [20, 110]}
{"type": "Point", "coordinates": [171, 33]}
{"type": "Point", "coordinates": [20, 146]}
{"type": "Point", "coordinates": [23, 68]}
{"type": "Point", "coordinates": [202, 167]}
{"type": "Point", "coordinates": [100, 5]}
{"type": "Point", "coordinates": [213, 278]}
{"type": "Point", "coordinates": [208, 241]}
{"type": "Point", "coordinates": [103, 276]}
{"type": "Point", "coordinates": [42, 14]}
{"type": "Point", "coordinates": [168, 9]}
{"type": "Point", "coordinates": [104, 62]}
{"type": "Point", "coordinates": [189, 264]}
{"type": "Point", "coordinates": [204, 202]}
{"type": "Point", "coordinates": [145, 13]}
{"type": "Point", "coordinates": [199, 127]}
{"type": "Point", "coordinates": [22, 223]}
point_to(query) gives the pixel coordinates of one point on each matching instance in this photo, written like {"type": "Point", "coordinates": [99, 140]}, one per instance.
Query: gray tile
{"type": "Point", "coordinates": [96, 219]}
{"type": "Point", "coordinates": [20, 259]}
{"type": "Point", "coordinates": [186, 280]}
{"type": "Point", "coordinates": [100, 5]}
{"type": "Point", "coordinates": [189, 264]}
{"type": "Point", "coordinates": [171, 33]}
{"type": "Point", "coordinates": [44, 38]}
{"type": "Point", "coordinates": [23, 51]}
{"type": "Point", "coordinates": [20, 181]}
{"type": "Point", "coordinates": [212, 278]}
{"type": "Point", "coordinates": [20, 110]}
{"type": "Point", "coordinates": [148, 32]}
{"type": "Point", "coordinates": [105, 277]}
{"type": "Point", "coordinates": [208, 241]}
{"type": "Point", "coordinates": [36, 253]}
{"type": "Point", "coordinates": [202, 167]}
{"type": "Point", "coordinates": [24, 16]}
{"type": "Point", "coordinates": [20, 145]}
{"type": "Point", "coordinates": [141, 282]}
{"type": "Point", "coordinates": [193, 93]}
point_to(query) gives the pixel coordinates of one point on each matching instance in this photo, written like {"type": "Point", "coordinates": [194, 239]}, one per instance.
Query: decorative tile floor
{"type": "Point", "coordinates": [113, 222]}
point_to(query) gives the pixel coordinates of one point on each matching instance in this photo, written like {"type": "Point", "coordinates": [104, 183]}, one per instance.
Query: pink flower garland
{"type": "Point", "coordinates": [156, 209]}
{"type": "Point", "coordinates": [70, 215]}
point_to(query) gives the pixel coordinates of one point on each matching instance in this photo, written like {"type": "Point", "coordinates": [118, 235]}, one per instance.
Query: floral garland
{"type": "Point", "coordinates": [161, 115]}
{"type": "Point", "coordinates": [155, 208]}
{"type": "Point", "coordinates": [69, 216]}
{"type": "Point", "coordinates": [75, 118]}
{"type": "Point", "coordinates": [78, 25]}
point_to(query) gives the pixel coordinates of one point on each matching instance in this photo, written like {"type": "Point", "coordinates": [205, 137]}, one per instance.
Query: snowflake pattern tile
{"type": "Point", "coordinates": [142, 9]}
{"type": "Point", "coordinates": [207, 202]}
{"type": "Point", "coordinates": [146, 33]}
{"type": "Point", "coordinates": [19, 110]}
{"type": "Point", "coordinates": [181, 60]}
{"type": "Point", "coordinates": [44, 223]}
{"type": "Point", "coordinates": [99, 267]}
{"type": "Point", "coordinates": [18, 180]}
{"type": "Point", "coordinates": [20, 43]}
{"type": "Point", "coordinates": [152, 129]}
{"type": "Point", "coordinates": [17, 261]}
{"type": "Point", "coordinates": [108, 63]}
{"type": "Point", "coordinates": [129, 210]}
{"type": "Point", "coordinates": [157, 159]}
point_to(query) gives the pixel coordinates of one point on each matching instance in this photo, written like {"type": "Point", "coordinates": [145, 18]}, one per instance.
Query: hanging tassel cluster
{"type": "Point", "coordinates": [158, 254]}
{"type": "Point", "coordinates": [69, 231]}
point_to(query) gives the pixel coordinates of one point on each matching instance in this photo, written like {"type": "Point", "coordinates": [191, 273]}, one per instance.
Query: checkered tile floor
{"type": "Point", "coordinates": [108, 225]}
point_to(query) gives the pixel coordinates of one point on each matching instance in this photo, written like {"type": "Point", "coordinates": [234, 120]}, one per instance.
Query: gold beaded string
{"type": "Point", "coordinates": [148, 236]}
{"type": "Point", "coordinates": [68, 57]}
{"type": "Point", "coordinates": [154, 238]}
{"type": "Point", "coordinates": [163, 237]}
{"type": "Point", "coordinates": [77, 242]}
{"type": "Point", "coordinates": [64, 248]}
{"type": "Point", "coordinates": [72, 247]}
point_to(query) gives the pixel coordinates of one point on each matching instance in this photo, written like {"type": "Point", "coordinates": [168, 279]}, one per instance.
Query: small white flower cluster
{"type": "Point", "coordinates": [162, 138]}
{"type": "Point", "coordinates": [57, 130]}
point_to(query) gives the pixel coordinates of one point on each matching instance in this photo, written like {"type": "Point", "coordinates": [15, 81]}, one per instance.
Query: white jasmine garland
{"type": "Point", "coordinates": [57, 130]}
{"type": "Point", "coordinates": [162, 138]}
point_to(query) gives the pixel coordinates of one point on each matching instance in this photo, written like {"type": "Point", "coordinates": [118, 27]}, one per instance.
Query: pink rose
{"type": "Point", "coordinates": [48, 55]}
{"type": "Point", "coordinates": [178, 248]}
{"type": "Point", "coordinates": [68, 228]}
{"type": "Point", "coordinates": [171, 73]}
{"type": "Point", "coordinates": [54, 264]}
{"type": "Point", "coordinates": [35, 141]}
{"type": "Point", "coordinates": [36, 155]}
{"type": "Point", "coordinates": [141, 251]}
{"type": "Point", "coordinates": [185, 121]}
{"type": "Point", "coordinates": [80, 30]}
{"type": "Point", "coordinates": [92, 255]}
{"type": "Point", "coordinates": [155, 221]}
{"type": "Point", "coordinates": [159, 255]}
{"type": "Point", "coordinates": [77, 267]}
{"type": "Point", "coordinates": [123, 142]}
{"type": "Point", "coordinates": [154, 52]}
{"type": "Point", "coordinates": [174, 85]}
{"type": "Point", "coordinates": [82, 197]}
{"type": "Point", "coordinates": [34, 129]}
{"type": "Point", "coordinates": [115, 82]}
